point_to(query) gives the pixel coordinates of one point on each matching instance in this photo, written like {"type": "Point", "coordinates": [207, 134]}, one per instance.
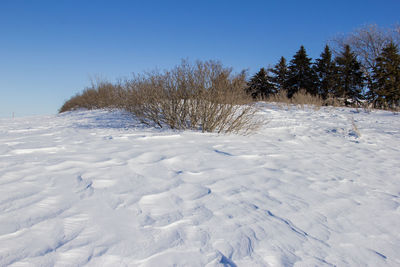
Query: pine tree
{"type": "Point", "coordinates": [324, 68]}
{"type": "Point", "coordinates": [260, 85]}
{"type": "Point", "coordinates": [387, 76]}
{"type": "Point", "coordinates": [280, 75]}
{"type": "Point", "coordinates": [349, 76]}
{"type": "Point", "coordinates": [301, 75]}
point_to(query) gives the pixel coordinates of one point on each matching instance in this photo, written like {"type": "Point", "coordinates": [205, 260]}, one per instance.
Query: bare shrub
{"type": "Point", "coordinates": [204, 96]}
{"type": "Point", "coordinates": [101, 94]}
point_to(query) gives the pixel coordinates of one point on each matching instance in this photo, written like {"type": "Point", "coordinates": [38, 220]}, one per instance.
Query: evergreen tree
{"type": "Point", "coordinates": [260, 85]}
{"type": "Point", "coordinates": [387, 76]}
{"type": "Point", "coordinates": [325, 71]}
{"type": "Point", "coordinates": [349, 76]}
{"type": "Point", "coordinates": [280, 75]}
{"type": "Point", "coordinates": [301, 75]}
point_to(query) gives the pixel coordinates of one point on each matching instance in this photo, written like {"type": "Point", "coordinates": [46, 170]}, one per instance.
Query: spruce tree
{"type": "Point", "coordinates": [324, 68]}
{"type": "Point", "coordinates": [349, 76]}
{"type": "Point", "coordinates": [387, 76]}
{"type": "Point", "coordinates": [260, 85]}
{"type": "Point", "coordinates": [301, 75]}
{"type": "Point", "coordinates": [280, 75]}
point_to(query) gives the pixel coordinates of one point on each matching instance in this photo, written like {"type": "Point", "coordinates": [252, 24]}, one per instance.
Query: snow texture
{"type": "Point", "coordinates": [95, 188]}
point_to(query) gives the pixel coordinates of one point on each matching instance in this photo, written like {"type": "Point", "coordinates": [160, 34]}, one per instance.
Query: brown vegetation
{"type": "Point", "coordinates": [202, 96]}
{"type": "Point", "coordinates": [300, 98]}
{"type": "Point", "coordinates": [99, 95]}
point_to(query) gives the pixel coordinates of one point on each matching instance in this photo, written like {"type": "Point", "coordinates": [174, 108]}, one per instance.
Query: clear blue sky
{"type": "Point", "coordinates": [49, 50]}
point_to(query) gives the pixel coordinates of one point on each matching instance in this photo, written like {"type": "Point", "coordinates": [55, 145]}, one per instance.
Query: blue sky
{"type": "Point", "coordinates": [49, 50]}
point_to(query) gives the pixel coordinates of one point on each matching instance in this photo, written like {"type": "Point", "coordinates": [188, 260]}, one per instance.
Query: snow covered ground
{"type": "Point", "coordinates": [95, 188]}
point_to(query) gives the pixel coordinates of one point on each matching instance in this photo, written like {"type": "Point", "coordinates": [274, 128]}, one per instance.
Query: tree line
{"type": "Point", "coordinates": [363, 66]}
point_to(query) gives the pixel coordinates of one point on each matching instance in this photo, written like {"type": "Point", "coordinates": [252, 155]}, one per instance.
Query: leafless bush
{"type": "Point", "coordinates": [204, 96]}
{"type": "Point", "coordinates": [100, 95]}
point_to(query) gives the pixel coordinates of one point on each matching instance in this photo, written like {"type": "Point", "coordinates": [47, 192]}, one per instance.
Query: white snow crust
{"type": "Point", "coordinates": [95, 188]}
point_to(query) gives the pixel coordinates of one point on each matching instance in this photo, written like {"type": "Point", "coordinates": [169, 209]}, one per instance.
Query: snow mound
{"type": "Point", "coordinates": [95, 188]}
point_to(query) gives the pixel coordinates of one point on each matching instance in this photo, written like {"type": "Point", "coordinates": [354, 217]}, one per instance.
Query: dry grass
{"type": "Point", "coordinates": [333, 101]}
{"type": "Point", "coordinates": [355, 129]}
{"type": "Point", "coordinates": [300, 98]}
{"type": "Point", "coordinates": [393, 108]}
{"type": "Point", "coordinates": [279, 97]}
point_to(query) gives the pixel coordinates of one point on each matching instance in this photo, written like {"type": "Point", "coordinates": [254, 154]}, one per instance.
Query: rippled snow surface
{"type": "Point", "coordinates": [95, 188]}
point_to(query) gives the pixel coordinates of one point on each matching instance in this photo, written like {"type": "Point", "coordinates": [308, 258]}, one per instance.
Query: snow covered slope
{"type": "Point", "coordinates": [95, 188]}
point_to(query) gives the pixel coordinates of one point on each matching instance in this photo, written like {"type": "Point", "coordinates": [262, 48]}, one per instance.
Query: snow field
{"type": "Point", "coordinates": [95, 188]}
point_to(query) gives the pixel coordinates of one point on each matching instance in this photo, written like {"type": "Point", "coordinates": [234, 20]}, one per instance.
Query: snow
{"type": "Point", "coordinates": [96, 188]}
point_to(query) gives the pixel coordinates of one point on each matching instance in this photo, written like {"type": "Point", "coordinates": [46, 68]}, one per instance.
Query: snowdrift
{"type": "Point", "coordinates": [95, 188]}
